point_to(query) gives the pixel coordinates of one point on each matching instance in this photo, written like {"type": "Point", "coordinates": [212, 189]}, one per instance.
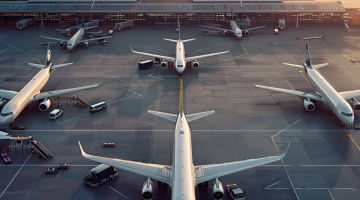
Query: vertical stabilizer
{"type": "Point", "coordinates": [48, 55]}
{"type": "Point", "coordinates": [307, 56]}
{"type": "Point", "coordinates": [181, 102]}
{"type": "Point", "coordinates": [178, 23]}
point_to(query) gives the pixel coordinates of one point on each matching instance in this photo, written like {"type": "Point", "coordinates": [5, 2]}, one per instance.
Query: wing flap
{"type": "Point", "coordinates": [208, 172]}
{"type": "Point", "coordinates": [294, 92]}
{"type": "Point", "coordinates": [196, 116]}
{"type": "Point", "coordinates": [7, 94]}
{"type": "Point", "coordinates": [204, 56]}
{"type": "Point", "coordinates": [350, 94]}
{"type": "Point", "coordinates": [253, 28]}
{"type": "Point", "coordinates": [218, 28]}
{"type": "Point", "coordinates": [167, 116]}
{"type": "Point", "coordinates": [154, 55]}
{"type": "Point", "coordinates": [145, 169]}
{"type": "Point", "coordinates": [44, 95]}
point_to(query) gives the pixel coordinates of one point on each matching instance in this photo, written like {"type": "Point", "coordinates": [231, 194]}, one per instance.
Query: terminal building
{"type": "Point", "coordinates": [189, 11]}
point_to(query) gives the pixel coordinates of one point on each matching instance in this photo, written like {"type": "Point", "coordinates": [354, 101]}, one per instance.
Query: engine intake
{"type": "Point", "coordinates": [163, 64]}
{"type": "Point", "coordinates": [147, 190]}
{"type": "Point", "coordinates": [354, 104]}
{"type": "Point", "coordinates": [309, 106]}
{"type": "Point", "coordinates": [85, 44]}
{"type": "Point", "coordinates": [62, 44]}
{"type": "Point", "coordinates": [217, 190]}
{"type": "Point", "coordinates": [195, 64]}
{"type": "Point", "coordinates": [226, 33]}
{"type": "Point", "coordinates": [44, 105]}
{"type": "Point", "coordinates": [247, 33]}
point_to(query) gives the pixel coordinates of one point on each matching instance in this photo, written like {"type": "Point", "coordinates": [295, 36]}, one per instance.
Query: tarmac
{"type": "Point", "coordinates": [323, 161]}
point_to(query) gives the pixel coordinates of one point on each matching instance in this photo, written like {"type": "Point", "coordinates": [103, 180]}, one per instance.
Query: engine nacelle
{"type": "Point", "coordinates": [217, 190]}
{"type": "Point", "coordinates": [226, 33]}
{"type": "Point", "coordinates": [2, 103]}
{"type": "Point", "coordinates": [62, 44]}
{"type": "Point", "coordinates": [247, 33]}
{"type": "Point", "coordinates": [147, 190]}
{"type": "Point", "coordinates": [195, 64]}
{"type": "Point", "coordinates": [44, 105]}
{"type": "Point", "coordinates": [354, 104]}
{"type": "Point", "coordinates": [309, 106]}
{"type": "Point", "coordinates": [163, 64]}
{"type": "Point", "coordinates": [85, 44]}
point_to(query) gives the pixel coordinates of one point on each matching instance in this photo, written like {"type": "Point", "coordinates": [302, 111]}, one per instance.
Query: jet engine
{"type": "Point", "coordinates": [195, 64]}
{"type": "Point", "coordinates": [62, 44]}
{"type": "Point", "coordinates": [163, 64]}
{"type": "Point", "coordinates": [217, 190]}
{"type": "Point", "coordinates": [226, 33]}
{"type": "Point", "coordinates": [309, 106]}
{"type": "Point", "coordinates": [147, 190]}
{"type": "Point", "coordinates": [354, 104]}
{"type": "Point", "coordinates": [247, 33]}
{"type": "Point", "coordinates": [85, 44]}
{"type": "Point", "coordinates": [44, 105]}
{"type": "Point", "coordinates": [2, 103]}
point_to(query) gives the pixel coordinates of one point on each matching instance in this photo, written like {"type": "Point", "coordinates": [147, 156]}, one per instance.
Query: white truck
{"type": "Point", "coordinates": [281, 24]}
{"type": "Point", "coordinates": [121, 25]}
{"type": "Point", "coordinates": [24, 23]}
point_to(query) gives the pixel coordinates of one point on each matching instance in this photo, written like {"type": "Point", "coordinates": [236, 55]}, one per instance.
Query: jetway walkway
{"type": "Point", "coordinates": [41, 150]}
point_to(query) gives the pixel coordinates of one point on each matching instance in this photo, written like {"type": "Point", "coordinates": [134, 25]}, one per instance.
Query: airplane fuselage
{"type": "Point", "coordinates": [180, 57]}
{"type": "Point", "coordinates": [74, 40]}
{"type": "Point", "coordinates": [18, 103]}
{"type": "Point", "coordinates": [332, 99]}
{"type": "Point", "coordinates": [235, 29]}
{"type": "Point", "coordinates": [183, 173]}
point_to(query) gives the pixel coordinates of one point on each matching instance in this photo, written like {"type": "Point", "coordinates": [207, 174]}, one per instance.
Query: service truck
{"type": "Point", "coordinates": [100, 174]}
{"type": "Point", "coordinates": [235, 192]}
{"type": "Point", "coordinates": [147, 64]}
{"type": "Point", "coordinates": [24, 23]}
{"type": "Point", "coordinates": [281, 24]}
{"type": "Point", "coordinates": [121, 25]}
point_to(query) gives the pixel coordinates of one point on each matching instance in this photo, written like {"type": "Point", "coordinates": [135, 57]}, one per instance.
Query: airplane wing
{"type": "Point", "coordinates": [7, 94]}
{"type": "Point", "coordinates": [154, 171]}
{"type": "Point", "coordinates": [154, 55]}
{"type": "Point", "coordinates": [44, 95]}
{"type": "Point", "coordinates": [55, 39]}
{"type": "Point", "coordinates": [204, 56]}
{"type": "Point", "coordinates": [350, 94]}
{"type": "Point", "coordinates": [223, 29]}
{"type": "Point", "coordinates": [208, 172]}
{"type": "Point", "coordinates": [294, 92]}
{"type": "Point", "coordinates": [99, 38]}
{"type": "Point", "coordinates": [248, 29]}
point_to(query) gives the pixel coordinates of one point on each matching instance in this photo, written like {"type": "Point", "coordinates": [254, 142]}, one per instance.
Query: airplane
{"type": "Point", "coordinates": [180, 59]}
{"type": "Point", "coordinates": [76, 38]}
{"type": "Point", "coordinates": [182, 175]}
{"type": "Point", "coordinates": [325, 93]}
{"type": "Point", "coordinates": [235, 29]}
{"type": "Point", "coordinates": [31, 92]}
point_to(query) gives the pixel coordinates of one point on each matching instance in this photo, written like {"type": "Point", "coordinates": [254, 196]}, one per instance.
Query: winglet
{"type": "Point", "coordinates": [82, 151]}
{"type": "Point", "coordinates": [287, 148]}
{"type": "Point", "coordinates": [131, 48]}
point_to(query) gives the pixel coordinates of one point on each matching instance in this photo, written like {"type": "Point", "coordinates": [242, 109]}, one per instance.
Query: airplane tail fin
{"type": "Point", "coordinates": [307, 56]}
{"type": "Point", "coordinates": [178, 21]}
{"type": "Point", "coordinates": [48, 56]}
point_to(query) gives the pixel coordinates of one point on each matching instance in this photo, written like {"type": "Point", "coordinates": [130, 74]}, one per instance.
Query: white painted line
{"type": "Point", "coordinates": [15, 176]}
{"type": "Point", "coordinates": [53, 130]}
{"type": "Point", "coordinates": [119, 193]}
{"type": "Point", "coordinates": [125, 81]}
{"type": "Point", "coordinates": [277, 188]}
{"type": "Point", "coordinates": [330, 194]}
{"type": "Point", "coordinates": [271, 185]}
{"type": "Point", "coordinates": [260, 54]}
{"type": "Point", "coordinates": [329, 165]}
{"type": "Point", "coordinates": [45, 165]}
{"type": "Point", "coordinates": [5, 49]}
{"type": "Point", "coordinates": [73, 118]}
{"type": "Point", "coordinates": [155, 77]}
{"type": "Point", "coordinates": [211, 46]}
{"type": "Point", "coordinates": [298, 188]}
{"type": "Point", "coordinates": [137, 93]}
{"type": "Point", "coordinates": [50, 187]}
{"type": "Point", "coordinates": [121, 99]}
{"type": "Point", "coordinates": [290, 85]}
{"type": "Point", "coordinates": [19, 50]}
{"type": "Point", "coordinates": [331, 188]}
{"type": "Point", "coordinates": [57, 174]}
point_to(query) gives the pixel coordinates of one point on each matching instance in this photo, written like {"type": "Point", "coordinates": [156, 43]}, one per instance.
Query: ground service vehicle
{"type": "Point", "coordinates": [52, 170]}
{"type": "Point", "coordinates": [63, 166]}
{"type": "Point", "coordinates": [19, 127]}
{"type": "Point", "coordinates": [5, 158]}
{"type": "Point", "coordinates": [352, 60]}
{"type": "Point", "coordinates": [108, 144]}
{"type": "Point", "coordinates": [24, 23]}
{"type": "Point", "coordinates": [147, 64]}
{"type": "Point", "coordinates": [55, 113]}
{"type": "Point", "coordinates": [100, 174]}
{"type": "Point", "coordinates": [121, 25]}
{"type": "Point", "coordinates": [97, 107]}
{"type": "Point", "coordinates": [235, 192]}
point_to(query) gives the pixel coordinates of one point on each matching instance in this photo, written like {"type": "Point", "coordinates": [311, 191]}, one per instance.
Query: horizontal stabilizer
{"type": "Point", "coordinates": [196, 116]}
{"type": "Point", "coordinates": [188, 40]}
{"type": "Point", "coordinates": [170, 40]}
{"type": "Point", "coordinates": [61, 65]}
{"type": "Point", "coordinates": [167, 116]}
{"type": "Point", "coordinates": [37, 65]}
{"type": "Point", "coordinates": [319, 66]}
{"type": "Point", "coordinates": [293, 65]}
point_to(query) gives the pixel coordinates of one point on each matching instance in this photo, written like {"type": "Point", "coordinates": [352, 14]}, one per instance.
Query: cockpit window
{"type": "Point", "coordinates": [6, 114]}
{"type": "Point", "coordinates": [180, 65]}
{"type": "Point", "coordinates": [69, 45]}
{"type": "Point", "coordinates": [347, 114]}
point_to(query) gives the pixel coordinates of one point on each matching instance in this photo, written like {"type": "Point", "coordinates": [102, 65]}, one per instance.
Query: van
{"type": "Point", "coordinates": [98, 106]}
{"type": "Point", "coordinates": [55, 114]}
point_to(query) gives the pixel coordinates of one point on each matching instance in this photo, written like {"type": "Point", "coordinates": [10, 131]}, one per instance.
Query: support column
{"type": "Point", "coordinates": [42, 21]}
{"type": "Point", "coordinates": [199, 17]}
{"type": "Point", "coordinates": [297, 20]}
{"type": "Point", "coordinates": [59, 19]}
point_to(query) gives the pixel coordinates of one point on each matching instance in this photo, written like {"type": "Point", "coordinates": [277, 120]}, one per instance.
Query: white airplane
{"type": "Point", "coordinates": [182, 175]}
{"type": "Point", "coordinates": [336, 101]}
{"type": "Point", "coordinates": [76, 39]}
{"type": "Point", "coordinates": [180, 59]}
{"type": "Point", "coordinates": [31, 92]}
{"type": "Point", "coordinates": [235, 29]}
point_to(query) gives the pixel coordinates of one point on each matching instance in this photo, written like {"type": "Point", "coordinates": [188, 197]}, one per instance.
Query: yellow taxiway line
{"type": "Point", "coordinates": [243, 48]}
{"type": "Point", "coordinates": [180, 96]}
